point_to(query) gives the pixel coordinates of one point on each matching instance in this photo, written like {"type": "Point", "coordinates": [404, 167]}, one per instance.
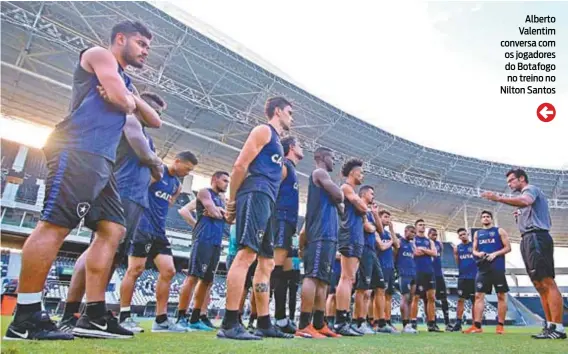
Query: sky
{"type": "Point", "coordinates": [427, 72]}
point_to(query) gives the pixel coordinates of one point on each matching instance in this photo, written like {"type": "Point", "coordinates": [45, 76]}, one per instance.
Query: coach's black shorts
{"type": "Point", "coordinates": [250, 274]}
{"type": "Point", "coordinates": [335, 276]}
{"type": "Point", "coordinates": [132, 214]}
{"type": "Point", "coordinates": [351, 250]}
{"type": "Point", "coordinates": [255, 223]}
{"type": "Point", "coordinates": [388, 275]}
{"type": "Point", "coordinates": [80, 185]}
{"type": "Point", "coordinates": [203, 260]}
{"type": "Point", "coordinates": [466, 288]}
{"type": "Point", "coordinates": [285, 231]}
{"type": "Point", "coordinates": [369, 274]}
{"type": "Point", "coordinates": [406, 283]}
{"type": "Point", "coordinates": [146, 245]}
{"type": "Point", "coordinates": [485, 281]}
{"type": "Point", "coordinates": [441, 291]}
{"type": "Point", "coordinates": [425, 282]}
{"type": "Point", "coordinates": [318, 260]}
{"type": "Point", "coordinates": [537, 248]}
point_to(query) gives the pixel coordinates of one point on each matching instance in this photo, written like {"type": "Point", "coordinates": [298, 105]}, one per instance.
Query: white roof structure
{"type": "Point", "coordinates": [216, 91]}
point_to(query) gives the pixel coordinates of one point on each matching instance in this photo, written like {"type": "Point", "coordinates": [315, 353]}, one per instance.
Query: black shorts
{"type": "Point", "coordinates": [318, 260]}
{"type": "Point", "coordinates": [351, 250]}
{"type": "Point", "coordinates": [255, 223]}
{"type": "Point", "coordinates": [369, 274]}
{"type": "Point", "coordinates": [203, 261]}
{"type": "Point", "coordinates": [537, 248]}
{"type": "Point", "coordinates": [441, 292]}
{"type": "Point", "coordinates": [388, 275]}
{"type": "Point", "coordinates": [250, 274]}
{"type": "Point", "coordinates": [146, 245]}
{"type": "Point", "coordinates": [80, 185]}
{"type": "Point", "coordinates": [132, 214]}
{"type": "Point", "coordinates": [485, 281]}
{"type": "Point", "coordinates": [425, 282]}
{"type": "Point", "coordinates": [285, 231]}
{"type": "Point", "coordinates": [335, 276]}
{"type": "Point", "coordinates": [406, 283]}
{"type": "Point", "coordinates": [466, 288]}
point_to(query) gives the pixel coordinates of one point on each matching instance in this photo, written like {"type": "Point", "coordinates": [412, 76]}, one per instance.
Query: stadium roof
{"type": "Point", "coordinates": [216, 91]}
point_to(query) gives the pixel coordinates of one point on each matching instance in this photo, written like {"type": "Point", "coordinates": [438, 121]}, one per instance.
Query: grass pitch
{"type": "Point", "coordinates": [516, 340]}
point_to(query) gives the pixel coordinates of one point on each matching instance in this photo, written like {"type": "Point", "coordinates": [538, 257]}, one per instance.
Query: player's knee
{"type": "Point", "coordinates": [479, 296]}
{"type": "Point", "coordinates": [168, 273]}
{"type": "Point", "coordinates": [135, 271]}
{"type": "Point", "coordinates": [501, 296]}
{"type": "Point", "coordinates": [265, 265]}
{"type": "Point", "coordinates": [431, 296]}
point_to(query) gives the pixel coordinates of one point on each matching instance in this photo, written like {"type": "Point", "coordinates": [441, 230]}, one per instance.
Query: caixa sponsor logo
{"type": "Point", "coordinates": [277, 159]}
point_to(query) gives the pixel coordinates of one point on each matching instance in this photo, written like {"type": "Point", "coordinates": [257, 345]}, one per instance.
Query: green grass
{"type": "Point", "coordinates": [516, 340]}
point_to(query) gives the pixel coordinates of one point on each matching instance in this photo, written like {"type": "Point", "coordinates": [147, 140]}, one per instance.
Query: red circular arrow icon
{"type": "Point", "coordinates": [546, 112]}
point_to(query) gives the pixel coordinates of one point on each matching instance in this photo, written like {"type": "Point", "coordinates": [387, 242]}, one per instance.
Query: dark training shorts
{"type": "Point", "coordinates": [369, 274]}
{"type": "Point", "coordinates": [255, 223]}
{"type": "Point", "coordinates": [203, 261]}
{"type": "Point", "coordinates": [486, 281]}
{"type": "Point", "coordinates": [285, 231]}
{"type": "Point", "coordinates": [146, 245]}
{"type": "Point", "coordinates": [80, 185]}
{"type": "Point", "coordinates": [318, 260]}
{"type": "Point", "coordinates": [537, 249]}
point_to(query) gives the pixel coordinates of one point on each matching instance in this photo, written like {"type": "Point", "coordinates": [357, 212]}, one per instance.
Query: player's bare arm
{"type": "Point", "coordinates": [322, 179]}
{"type": "Point", "coordinates": [138, 142]}
{"type": "Point", "coordinates": [186, 210]}
{"type": "Point", "coordinates": [103, 64]}
{"type": "Point", "coordinates": [521, 201]}
{"type": "Point", "coordinates": [506, 246]}
{"type": "Point", "coordinates": [357, 202]}
{"type": "Point", "coordinates": [258, 138]}
{"type": "Point", "coordinates": [175, 196]}
{"type": "Point", "coordinates": [211, 209]}
{"type": "Point", "coordinates": [475, 252]}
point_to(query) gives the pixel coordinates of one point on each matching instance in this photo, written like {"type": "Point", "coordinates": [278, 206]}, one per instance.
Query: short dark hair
{"type": "Point", "coordinates": [275, 102]}
{"type": "Point", "coordinates": [129, 28]}
{"type": "Point", "coordinates": [220, 174]}
{"type": "Point", "coordinates": [365, 188]}
{"type": "Point", "coordinates": [350, 165]}
{"type": "Point", "coordinates": [417, 221]}
{"type": "Point", "coordinates": [287, 143]}
{"type": "Point", "coordinates": [488, 213]}
{"type": "Point", "coordinates": [432, 230]}
{"type": "Point", "coordinates": [408, 227]}
{"type": "Point", "coordinates": [462, 229]}
{"type": "Point", "coordinates": [383, 212]}
{"type": "Point", "coordinates": [187, 156]}
{"type": "Point", "coordinates": [518, 172]}
{"type": "Point", "coordinates": [151, 96]}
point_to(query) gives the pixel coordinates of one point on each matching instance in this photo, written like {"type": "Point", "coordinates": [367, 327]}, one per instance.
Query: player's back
{"type": "Point", "coordinates": [321, 214]}
{"type": "Point", "coordinates": [153, 220]}
{"type": "Point", "coordinates": [92, 125]}
{"type": "Point", "coordinates": [265, 171]}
